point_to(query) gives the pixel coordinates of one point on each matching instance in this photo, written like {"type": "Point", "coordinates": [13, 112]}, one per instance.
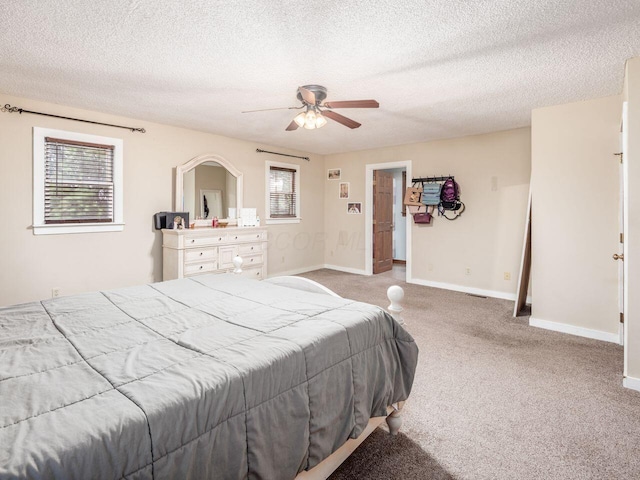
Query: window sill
{"type": "Point", "coordinates": [275, 221]}
{"type": "Point", "coordinates": [77, 228]}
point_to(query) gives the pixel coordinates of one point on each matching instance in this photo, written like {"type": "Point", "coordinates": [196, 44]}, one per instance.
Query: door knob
{"type": "Point", "coordinates": [618, 257]}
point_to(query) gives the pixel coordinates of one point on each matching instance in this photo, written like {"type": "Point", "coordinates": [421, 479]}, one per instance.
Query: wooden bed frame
{"type": "Point", "coordinates": [393, 418]}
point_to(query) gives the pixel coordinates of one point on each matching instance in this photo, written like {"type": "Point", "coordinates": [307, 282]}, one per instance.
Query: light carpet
{"type": "Point", "coordinates": [496, 398]}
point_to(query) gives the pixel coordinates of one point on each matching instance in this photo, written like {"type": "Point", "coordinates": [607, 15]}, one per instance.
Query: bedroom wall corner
{"type": "Point", "coordinates": [493, 172]}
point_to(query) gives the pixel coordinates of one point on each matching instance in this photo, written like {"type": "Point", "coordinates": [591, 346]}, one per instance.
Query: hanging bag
{"type": "Point", "coordinates": [430, 194]}
{"type": "Point", "coordinates": [450, 199]}
{"type": "Point", "coordinates": [422, 217]}
{"type": "Point", "coordinates": [449, 195]}
{"type": "Point", "coordinates": [412, 196]}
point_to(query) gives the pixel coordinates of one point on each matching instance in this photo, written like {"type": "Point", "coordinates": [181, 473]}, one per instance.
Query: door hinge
{"type": "Point", "coordinates": [374, 222]}
{"type": "Point", "coordinates": [621, 155]}
{"type": "Point", "coordinates": [622, 238]}
{"type": "Point", "coordinates": [374, 183]}
{"type": "Point", "coordinates": [621, 317]}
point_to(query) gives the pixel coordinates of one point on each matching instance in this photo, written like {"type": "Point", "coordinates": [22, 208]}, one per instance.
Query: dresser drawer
{"type": "Point", "coordinates": [249, 260]}
{"type": "Point", "coordinates": [249, 249]}
{"type": "Point", "coordinates": [247, 237]}
{"type": "Point", "coordinates": [200, 254]}
{"type": "Point", "coordinates": [201, 241]}
{"type": "Point", "coordinates": [202, 267]}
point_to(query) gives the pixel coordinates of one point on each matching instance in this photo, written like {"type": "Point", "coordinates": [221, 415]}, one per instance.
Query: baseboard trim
{"type": "Point", "coordinates": [574, 330]}
{"type": "Point", "coordinates": [631, 383]}
{"type": "Point", "coordinates": [417, 281]}
{"type": "Point", "coordinates": [357, 271]}
{"type": "Point", "coordinates": [464, 289]}
{"type": "Point", "coordinates": [295, 271]}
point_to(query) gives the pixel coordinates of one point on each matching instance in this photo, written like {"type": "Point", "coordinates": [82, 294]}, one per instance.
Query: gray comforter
{"type": "Point", "coordinates": [212, 377]}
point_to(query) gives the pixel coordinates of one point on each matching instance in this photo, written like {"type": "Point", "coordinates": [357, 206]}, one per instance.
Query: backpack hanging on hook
{"type": "Point", "coordinates": [450, 199]}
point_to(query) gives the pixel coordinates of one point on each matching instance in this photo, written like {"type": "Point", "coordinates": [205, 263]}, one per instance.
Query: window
{"type": "Point", "coordinates": [283, 193]}
{"type": "Point", "coordinates": [77, 182]}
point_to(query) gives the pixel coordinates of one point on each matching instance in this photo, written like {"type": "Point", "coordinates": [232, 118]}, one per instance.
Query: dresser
{"type": "Point", "coordinates": [190, 252]}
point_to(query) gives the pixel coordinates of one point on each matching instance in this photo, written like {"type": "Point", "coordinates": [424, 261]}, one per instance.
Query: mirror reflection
{"type": "Point", "coordinates": [209, 190]}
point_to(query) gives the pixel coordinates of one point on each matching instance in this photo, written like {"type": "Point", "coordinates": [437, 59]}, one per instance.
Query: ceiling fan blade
{"type": "Point", "coordinates": [307, 95]}
{"type": "Point", "coordinates": [353, 104]}
{"type": "Point", "coordinates": [269, 109]}
{"type": "Point", "coordinates": [336, 117]}
{"type": "Point", "coordinates": [292, 126]}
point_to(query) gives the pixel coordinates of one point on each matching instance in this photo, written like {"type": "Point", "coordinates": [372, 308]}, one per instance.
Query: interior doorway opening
{"type": "Point", "coordinates": [387, 225]}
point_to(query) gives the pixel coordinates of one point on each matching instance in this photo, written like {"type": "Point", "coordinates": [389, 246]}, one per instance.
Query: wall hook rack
{"type": "Point", "coordinates": [431, 179]}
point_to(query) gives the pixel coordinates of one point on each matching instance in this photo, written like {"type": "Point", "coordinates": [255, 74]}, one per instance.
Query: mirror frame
{"type": "Point", "coordinates": [199, 160]}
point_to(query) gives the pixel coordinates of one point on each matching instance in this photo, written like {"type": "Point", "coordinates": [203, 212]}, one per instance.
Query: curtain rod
{"type": "Point", "coordinates": [8, 108]}
{"type": "Point", "coordinates": [283, 154]}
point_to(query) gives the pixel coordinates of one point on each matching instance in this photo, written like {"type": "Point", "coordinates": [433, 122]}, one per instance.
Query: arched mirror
{"type": "Point", "coordinates": [208, 186]}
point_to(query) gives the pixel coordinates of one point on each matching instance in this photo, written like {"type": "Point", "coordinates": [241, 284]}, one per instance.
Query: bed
{"type": "Point", "coordinates": [214, 376]}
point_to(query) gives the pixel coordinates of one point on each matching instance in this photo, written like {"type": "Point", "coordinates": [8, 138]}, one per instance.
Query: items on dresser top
{"type": "Point", "coordinates": [211, 250]}
{"type": "Point", "coordinates": [166, 219]}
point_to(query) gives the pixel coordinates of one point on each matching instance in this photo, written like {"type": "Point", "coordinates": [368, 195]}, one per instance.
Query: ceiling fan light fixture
{"type": "Point", "coordinates": [313, 117]}
{"type": "Point", "coordinates": [299, 119]}
{"type": "Point", "coordinates": [320, 120]}
{"type": "Point", "coordinates": [310, 119]}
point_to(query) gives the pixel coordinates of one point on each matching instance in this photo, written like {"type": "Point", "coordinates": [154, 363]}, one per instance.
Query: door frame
{"type": "Point", "coordinates": [368, 214]}
{"type": "Point", "coordinates": [625, 228]}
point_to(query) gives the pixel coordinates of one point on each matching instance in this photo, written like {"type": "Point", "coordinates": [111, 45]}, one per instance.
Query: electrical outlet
{"type": "Point", "coordinates": [507, 275]}
{"type": "Point", "coordinates": [55, 292]}
{"type": "Point", "coordinates": [467, 271]}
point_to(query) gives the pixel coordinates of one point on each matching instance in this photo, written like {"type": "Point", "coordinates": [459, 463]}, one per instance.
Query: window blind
{"type": "Point", "coordinates": [282, 188]}
{"type": "Point", "coordinates": [79, 182]}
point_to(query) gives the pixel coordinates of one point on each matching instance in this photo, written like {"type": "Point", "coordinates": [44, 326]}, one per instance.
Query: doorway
{"type": "Point", "coordinates": [391, 230]}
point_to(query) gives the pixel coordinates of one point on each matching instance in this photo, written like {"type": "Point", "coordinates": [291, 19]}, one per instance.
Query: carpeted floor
{"type": "Point", "coordinates": [495, 398]}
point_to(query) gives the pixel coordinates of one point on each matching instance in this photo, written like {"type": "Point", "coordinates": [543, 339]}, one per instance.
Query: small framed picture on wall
{"type": "Point", "coordinates": [344, 190]}
{"type": "Point", "coordinates": [333, 174]}
{"type": "Point", "coordinates": [354, 208]}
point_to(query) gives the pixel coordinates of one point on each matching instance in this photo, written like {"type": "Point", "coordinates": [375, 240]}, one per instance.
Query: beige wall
{"type": "Point", "coordinates": [487, 238]}
{"type": "Point", "coordinates": [30, 266]}
{"type": "Point", "coordinates": [575, 192]}
{"type": "Point", "coordinates": [632, 232]}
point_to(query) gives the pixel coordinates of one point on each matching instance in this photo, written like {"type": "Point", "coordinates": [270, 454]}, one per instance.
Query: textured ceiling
{"type": "Point", "coordinates": [439, 69]}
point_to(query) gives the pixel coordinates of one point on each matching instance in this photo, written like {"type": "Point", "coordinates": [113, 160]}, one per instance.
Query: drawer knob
{"type": "Point", "coordinates": [251, 248]}
{"type": "Point", "coordinates": [193, 240]}
{"type": "Point", "coordinates": [200, 267]}
{"type": "Point", "coordinates": [258, 236]}
{"type": "Point", "coordinates": [201, 253]}
{"type": "Point", "coordinates": [220, 239]}
{"type": "Point", "coordinates": [235, 238]}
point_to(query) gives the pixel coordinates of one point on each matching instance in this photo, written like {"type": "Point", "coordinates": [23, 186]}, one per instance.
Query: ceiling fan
{"type": "Point", "coordinates": [313, 116]}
